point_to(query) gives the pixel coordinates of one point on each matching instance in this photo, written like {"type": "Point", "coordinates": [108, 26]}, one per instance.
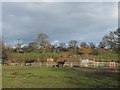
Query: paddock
{"type": "Point", "coordinates": [55, 77]}
{"type": "Point", "coordinates": [111, 65]}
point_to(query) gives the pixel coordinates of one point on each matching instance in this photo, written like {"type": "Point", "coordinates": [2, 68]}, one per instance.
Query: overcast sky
{"type": "Point", "coordinates": [82, 21]}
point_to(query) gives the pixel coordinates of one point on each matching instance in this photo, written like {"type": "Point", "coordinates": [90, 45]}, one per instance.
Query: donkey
{"type": "Point", "coordinates": [28, 62]}
{"type": "Point", "coordinates": [60, 63]}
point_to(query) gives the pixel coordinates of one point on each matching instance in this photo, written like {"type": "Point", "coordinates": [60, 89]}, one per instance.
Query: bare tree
{"type": "Point", "coordinates": [6, 53]}
{"type": "Point", "coordinates": [18, 45]}
{"type": "Point", "coordinates": [111, 39]}
{"type": "Point", "coordinates": [114, 38]}
{"type": "Point", "coordinates": [92, 45]}
{"type": "Point", "coordinates": [84, 45]}
{"type": "Point", "coordinates": [42, 42]}
{"type": "Point", "coordinates": [102, 44]}
{"type": "Point", "coordinates": [62, 45]}
{"type": "Point", "coordinates": [73, 44]}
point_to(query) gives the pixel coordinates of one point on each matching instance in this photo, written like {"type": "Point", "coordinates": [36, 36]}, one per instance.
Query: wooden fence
{"type": "Point", "coordinates": [112, 65]}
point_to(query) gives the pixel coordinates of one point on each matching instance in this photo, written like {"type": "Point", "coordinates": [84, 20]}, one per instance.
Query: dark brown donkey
{"type": "Point", "coordinates": [60, 63]}
{"type": "Point", "coordinates": [28, 62]}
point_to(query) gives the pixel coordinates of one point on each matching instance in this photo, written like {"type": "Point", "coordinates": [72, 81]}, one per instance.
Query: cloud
{"type": "Point", "coordinates": [56, 42]}
{"type": "Point", "coordinates": [0, 20]}
{"type": "Point", "coordinates": [60, 21]}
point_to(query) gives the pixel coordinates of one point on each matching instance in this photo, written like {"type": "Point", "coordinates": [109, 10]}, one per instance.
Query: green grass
{"type": "Point", "coordinates": [41, 77]}
{"type": "Point", "coordinates": [28, 56]}
{"type": "Point", "coordinates": [108, 56]}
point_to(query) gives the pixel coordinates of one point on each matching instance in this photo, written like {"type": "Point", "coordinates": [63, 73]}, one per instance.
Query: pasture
{"type": "Point", "coordinates": [57, 77]}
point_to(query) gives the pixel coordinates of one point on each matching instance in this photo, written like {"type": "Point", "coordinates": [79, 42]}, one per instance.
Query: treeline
{"type": "Point", "coordinates": [42, 44]}
{"type": "Point", "coordinates": [109, 44]}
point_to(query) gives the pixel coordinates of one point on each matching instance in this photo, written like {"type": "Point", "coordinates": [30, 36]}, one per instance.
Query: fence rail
{"type": "Point", "coordinates": [72, 64]}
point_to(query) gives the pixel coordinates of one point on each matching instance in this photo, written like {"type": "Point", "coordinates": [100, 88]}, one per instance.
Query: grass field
{"type": "Point", "coordinates": [41, 77]}
{"type": "Point", "coordinates": [108, 56]}
{"type": "Point", "coordinates": [27, 56]}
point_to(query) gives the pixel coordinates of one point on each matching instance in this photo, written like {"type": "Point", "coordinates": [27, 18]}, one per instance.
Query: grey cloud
{"type": "Point", "coordinates": [61, 21]}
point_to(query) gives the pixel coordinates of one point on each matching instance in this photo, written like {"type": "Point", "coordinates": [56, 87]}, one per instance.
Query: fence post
{"type": "Point", "coordinates": [47, 64]}
{"type": "Point", "coordinates": [94, 64]}
{"type": "Point", "coordinates": [97, 64]}
{"type": "Point", "coordinates": [71, 64]}
{"type": "Point", "coordinates": [79, 65]}
{"type": "Point", "coordinates": [116, 65]}
{"type": "Point", "coordinates": [40, 64]}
